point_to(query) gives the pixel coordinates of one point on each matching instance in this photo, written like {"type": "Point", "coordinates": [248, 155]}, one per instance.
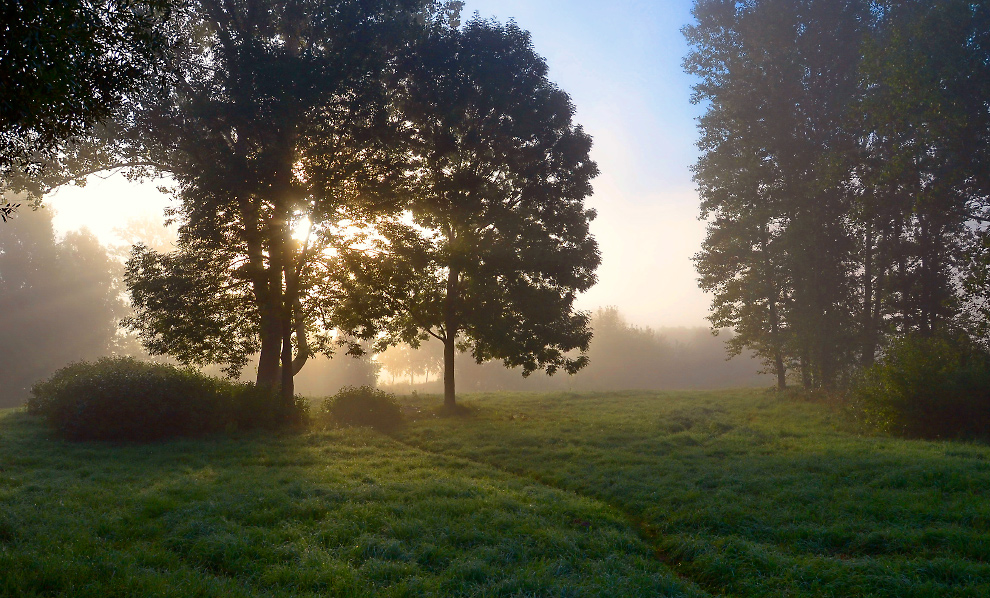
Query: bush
{"type": "Point", "coordinates": [926, 388]}
{"type": "Point", "coordinates": [126, 399]}
{"type": "Point", "coordinates": [363, 406]}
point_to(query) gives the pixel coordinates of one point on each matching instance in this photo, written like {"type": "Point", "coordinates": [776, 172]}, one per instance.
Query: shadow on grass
{"type": "Point", "coordinates": [337, 512]}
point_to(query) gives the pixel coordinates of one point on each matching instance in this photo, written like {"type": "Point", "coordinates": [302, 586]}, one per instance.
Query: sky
{"type": "Point", "coordinates": [621, 63]}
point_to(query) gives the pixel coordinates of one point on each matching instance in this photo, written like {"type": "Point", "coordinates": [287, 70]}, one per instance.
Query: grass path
{"type": "Point", "coordinates": [647, 533]}
{"type": "Point", "coordinates": [746, 493]}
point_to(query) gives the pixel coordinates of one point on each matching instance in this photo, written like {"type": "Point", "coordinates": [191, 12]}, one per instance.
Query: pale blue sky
{"type": "Point", "coordinates": [620, 62]}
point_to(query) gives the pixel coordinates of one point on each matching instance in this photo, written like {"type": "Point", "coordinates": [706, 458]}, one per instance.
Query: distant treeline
{"type": "Point", "coordinates": [60, 301]}
{"type": "Point", "coordinates": [622, 356]}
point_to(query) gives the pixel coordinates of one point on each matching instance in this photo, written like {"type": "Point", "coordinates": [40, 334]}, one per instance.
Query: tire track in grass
{"type": "Point", "coordinates": [646, 532]}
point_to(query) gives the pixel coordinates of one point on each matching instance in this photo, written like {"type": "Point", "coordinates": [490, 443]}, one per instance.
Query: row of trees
{"type": "Point", "coordinates": [348, 171]}
{"type": "Point", "coordinates": [845, 175]}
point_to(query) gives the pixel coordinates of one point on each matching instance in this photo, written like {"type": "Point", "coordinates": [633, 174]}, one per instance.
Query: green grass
{"type": "Point", "coordinates": [746, 493]}
{"type": "Point", "coordinates": [337, 513]}
{"type": "Point", "coordinates": [735, 493]}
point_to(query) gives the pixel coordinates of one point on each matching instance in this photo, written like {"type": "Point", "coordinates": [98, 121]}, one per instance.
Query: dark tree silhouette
{"type": "Point", "coordinates": [779, 78]}
{"type": "Point", "coordinates": [499, 242]}
{"type": "Point", "coordinates": [843, 174]}
{"type": "Point", "coordinates": [65, 66]}
{"type": "Point", "coordinates": [924, 168]}
{"type": "Point", "coordinates": [276, 120]}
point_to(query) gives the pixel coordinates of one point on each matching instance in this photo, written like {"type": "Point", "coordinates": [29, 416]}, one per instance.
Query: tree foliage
{"type": "Point", "coordinates": [275, 124]}
{"type": "Point", "coordinates": [842, 172]}
{"type": "Point", "coordinates": [65, 66]}
{"type": "Point", "coordinates": [496, 244]}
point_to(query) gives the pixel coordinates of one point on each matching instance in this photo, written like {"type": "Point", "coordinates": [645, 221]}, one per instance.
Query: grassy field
{"type": "Point", "coordinates": [624, 494]}
{"type": "Point", "coordinates": [748, 494]}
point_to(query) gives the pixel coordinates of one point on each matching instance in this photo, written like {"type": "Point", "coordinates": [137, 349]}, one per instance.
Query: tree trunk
{"type": "Point", "coordinates": [271, 328]}
{"type": "Point", "coordinates": [778, 364]}
{"type": "Point", "coordinates": [288, 387]}
{"type": "Point", "coordinates": [869, 323]}
{"type": "Point", "coordinates": [449, 401]}
{"type": "Point", "coordinates": [450, 336]}
{"type": "Point", "coordinates": [806, 371]}
{"type": "Point", "coordinates": [778, 353]}
{"type": "Point", "coordinates": [271, 344]}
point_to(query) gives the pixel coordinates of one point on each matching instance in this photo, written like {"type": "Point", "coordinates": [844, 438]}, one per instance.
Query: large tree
{"type": "Point", "coordinates": [277, 125]}
{"type": "Point", "coordinates": [496, 244]}
{"type": "Point", "coordinates": [844, 173]}
{"type": "Point", "coordinates": [925, 143]}
{"type": "Point", "coordinates": [778, 77]}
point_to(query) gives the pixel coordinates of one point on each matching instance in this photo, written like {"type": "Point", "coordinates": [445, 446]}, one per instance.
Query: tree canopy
{"type": "Point", "coordinates": [286, 125]}
{"type": "Point", "coordinates": [65, 66]}
{"type": "Point", "coordinates": [495, 245]}
{"type": "Point", "coordinates": [842, 172]}
{"type": "Point", "coordinates": [276, 126]}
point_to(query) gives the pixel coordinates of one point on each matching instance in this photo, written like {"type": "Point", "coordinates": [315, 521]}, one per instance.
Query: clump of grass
{"type": "Point", "coordinates": [363, 406]}
{"type": "Point", "coordinates": [121, 398]}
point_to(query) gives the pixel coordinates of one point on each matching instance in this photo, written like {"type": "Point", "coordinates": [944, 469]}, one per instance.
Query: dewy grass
{"type": "Point", "coordinates": [338, 513]}
{"type": "Point", "coordinates": [734, 493]}
{"type": "Point", "coordinates": [747, 493]}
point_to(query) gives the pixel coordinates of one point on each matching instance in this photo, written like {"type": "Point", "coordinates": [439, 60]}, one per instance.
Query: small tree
{"type": "Point", "coordinates": [498, 242]}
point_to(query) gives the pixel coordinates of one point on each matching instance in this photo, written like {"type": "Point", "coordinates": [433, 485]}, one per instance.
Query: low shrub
{"type": "Point", "coordinates": [122, 398]}
{"type": "Point", "coordinates": [926, 388]}
{"type": "Point", "coordinates": [363, 406]}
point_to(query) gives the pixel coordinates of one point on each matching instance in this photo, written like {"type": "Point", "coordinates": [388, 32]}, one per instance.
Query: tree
{"type": "Point", "coordinates": [277, 126]}
{"type": "Point", "coordinates": [497, 242]}
{"type": "Point", "coordinates": [844, 173]}
{"type": "Point", "coordinates": [61, 302]}
{"type": "Point", "coordinates": [779, 77]}
{"type": "Point", "coordinates": [925, 113]}
{"type": "Point", "coordinates": [65, 66]}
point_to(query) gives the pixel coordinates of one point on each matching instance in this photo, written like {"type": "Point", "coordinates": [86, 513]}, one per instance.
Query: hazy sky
{"type": "Point", "coordinates": [620, 62]}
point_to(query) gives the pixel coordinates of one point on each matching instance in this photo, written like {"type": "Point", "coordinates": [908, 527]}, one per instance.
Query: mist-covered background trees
{"type": "Point", "coordinates": [621, 355]}
{"type": "Point", "coordinates": [60, 301]}
{"type": "Point", "coordinates": [843, 175]}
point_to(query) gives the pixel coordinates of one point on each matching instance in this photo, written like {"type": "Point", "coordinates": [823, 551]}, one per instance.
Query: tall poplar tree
{"type": "Point", "coordinates": [778, 77]}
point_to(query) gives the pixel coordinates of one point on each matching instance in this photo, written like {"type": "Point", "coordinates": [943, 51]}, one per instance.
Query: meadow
{"type": "Point", "coordinates": [727, 493]}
